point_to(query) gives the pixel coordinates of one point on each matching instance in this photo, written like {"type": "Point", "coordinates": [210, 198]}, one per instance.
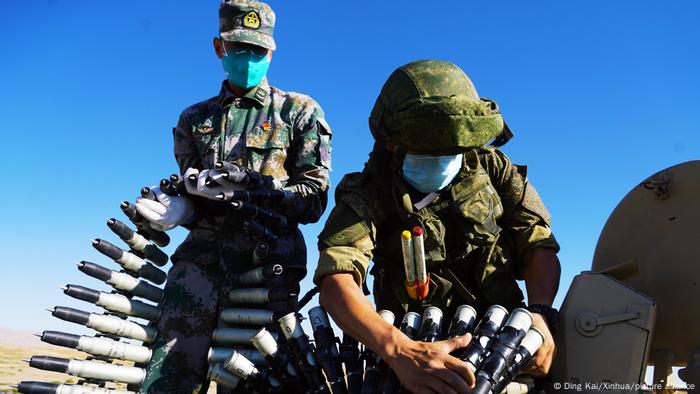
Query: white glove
{"type": "Point", "coordinates": [166, 212]}
{"type": "Point", "coordinates": [200, 187]}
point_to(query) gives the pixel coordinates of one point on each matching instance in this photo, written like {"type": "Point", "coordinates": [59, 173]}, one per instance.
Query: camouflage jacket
{"type": "Point", "coordinates": [480, 229]}
{"type": "Point", "coordinates": [276, 133]}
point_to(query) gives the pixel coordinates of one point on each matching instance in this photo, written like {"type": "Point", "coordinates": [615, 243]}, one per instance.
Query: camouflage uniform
{"type": "Point", "coordinates": [276, 133]}
{"type": "Point", "coordinates": [477, 230]}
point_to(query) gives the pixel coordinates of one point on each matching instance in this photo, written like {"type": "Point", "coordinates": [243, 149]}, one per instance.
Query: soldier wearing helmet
{"type": "Point", "coordinates": [484, 225]}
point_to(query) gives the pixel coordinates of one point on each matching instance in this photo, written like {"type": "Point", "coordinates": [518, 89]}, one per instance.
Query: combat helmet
{"type": "Point", "coordinates": [431, 105]}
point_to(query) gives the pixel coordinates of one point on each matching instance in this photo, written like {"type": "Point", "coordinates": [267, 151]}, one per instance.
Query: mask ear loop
{"type": "Point", "coordinates": [223, 46]}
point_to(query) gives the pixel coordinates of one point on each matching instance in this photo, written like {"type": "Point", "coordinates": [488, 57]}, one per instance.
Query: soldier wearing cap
{"type": "Point", "coordinates": [259, 128]}
{"type": "Point", "coordinates": [482, 222]}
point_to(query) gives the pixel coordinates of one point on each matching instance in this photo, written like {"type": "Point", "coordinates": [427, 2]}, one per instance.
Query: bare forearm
{"type": "Point", "coordinates": [355, 315]}
{"type": "Point", "coordinates": [542, 271]}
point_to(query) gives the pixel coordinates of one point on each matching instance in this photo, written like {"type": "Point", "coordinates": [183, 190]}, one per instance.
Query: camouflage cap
{"type": "Point", "coordinates": [247, 21]}
{"type": "Point", "coordinates": [431, 105]}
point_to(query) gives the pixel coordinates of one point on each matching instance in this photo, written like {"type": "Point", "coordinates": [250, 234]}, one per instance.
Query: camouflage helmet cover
{"type": "Point", "coordinates": [431, 105]}
{"type": "Point", "coordinates": [247, 21]}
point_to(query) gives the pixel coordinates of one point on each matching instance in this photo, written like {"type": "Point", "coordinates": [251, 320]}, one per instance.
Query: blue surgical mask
{"type": "Point", "coordinates": [244, 68]}
{"type": "Point", "coordinates": [428, 173]}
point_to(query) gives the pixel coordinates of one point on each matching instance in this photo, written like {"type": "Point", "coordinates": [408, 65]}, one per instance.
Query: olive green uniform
{"type": "Point", "coordinates": [477, 232]}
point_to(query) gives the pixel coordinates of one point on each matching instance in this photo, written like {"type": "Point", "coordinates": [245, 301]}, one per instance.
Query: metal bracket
{"type": "Point", "coordinates": [590, 324]}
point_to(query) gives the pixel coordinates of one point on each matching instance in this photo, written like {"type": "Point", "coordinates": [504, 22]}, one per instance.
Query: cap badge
{"type": "Point", "coordinates": [266, 126]}
{"type": "Point", "coordinates": [251, 20]}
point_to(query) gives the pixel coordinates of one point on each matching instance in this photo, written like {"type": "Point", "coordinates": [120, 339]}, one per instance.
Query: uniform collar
{"type": "Point", "coordinates": [258, 94]}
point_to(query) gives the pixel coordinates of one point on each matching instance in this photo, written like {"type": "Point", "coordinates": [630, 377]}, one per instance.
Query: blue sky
{"type": "Point", "coordinates": [600, 94]}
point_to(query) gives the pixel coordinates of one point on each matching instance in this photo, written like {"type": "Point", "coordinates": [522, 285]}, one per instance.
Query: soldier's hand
{"type": "Point", "coordinates": [545, 354]}
{"type": "Point", "coordinates": [428, 367]}
{"type": "Point", "coordinates": [197, 185]}
{"type": "Point", "coordinates": [165, 212]}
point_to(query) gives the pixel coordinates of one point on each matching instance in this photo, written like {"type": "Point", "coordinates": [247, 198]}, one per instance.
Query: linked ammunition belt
{"type": "Point", "coordinates": [129, 309]}
{"type": "Point", "coordinates": [260, 345]}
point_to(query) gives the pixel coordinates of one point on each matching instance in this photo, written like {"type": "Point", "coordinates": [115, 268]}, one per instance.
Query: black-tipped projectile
{"type": "Point", "coordinates": [146, 192]}
{"type": "Point", "coordinates": [130, 261]}
{"type": "Point", "coordinates": [167, 187]}
{"type": "Point", "coordinates": [158, 237]}
{"type": "Point", "coordinates": [70, 314]}
{"type": "Point", "coordinates": [260, 232]}
{"type": "Point", "coordinates": [115, 303]}
{"type": "Point", "coordinates": [122, 281]}
{"type": "Point", "coordinates": [264, 216]}
{"type": "Point", "coordinates": [138, 242]}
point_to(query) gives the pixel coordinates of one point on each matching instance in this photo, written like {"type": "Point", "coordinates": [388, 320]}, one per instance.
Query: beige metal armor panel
{"type": "Point", "coordinates": [605, 332]}
{"type": "Point", "coordinates": [657, 226]}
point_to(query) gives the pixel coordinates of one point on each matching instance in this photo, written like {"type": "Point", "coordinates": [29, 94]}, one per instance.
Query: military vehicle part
{"type": "Point", "coordinates": [601, 315]}
{"type": "Point", "coordinates": [655, 227]}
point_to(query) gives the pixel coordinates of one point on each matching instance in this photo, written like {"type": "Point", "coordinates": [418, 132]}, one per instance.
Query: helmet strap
{"type": "Point", "coordinates": [503, 138]}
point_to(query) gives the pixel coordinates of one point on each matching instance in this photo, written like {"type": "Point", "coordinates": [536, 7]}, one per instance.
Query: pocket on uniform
{"type": "Point", "coordinates": [480, 212]}
{"type": "Point", "coordinates": [275, 137]}
{"type": "Point", "coordinates": [267, 149]}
